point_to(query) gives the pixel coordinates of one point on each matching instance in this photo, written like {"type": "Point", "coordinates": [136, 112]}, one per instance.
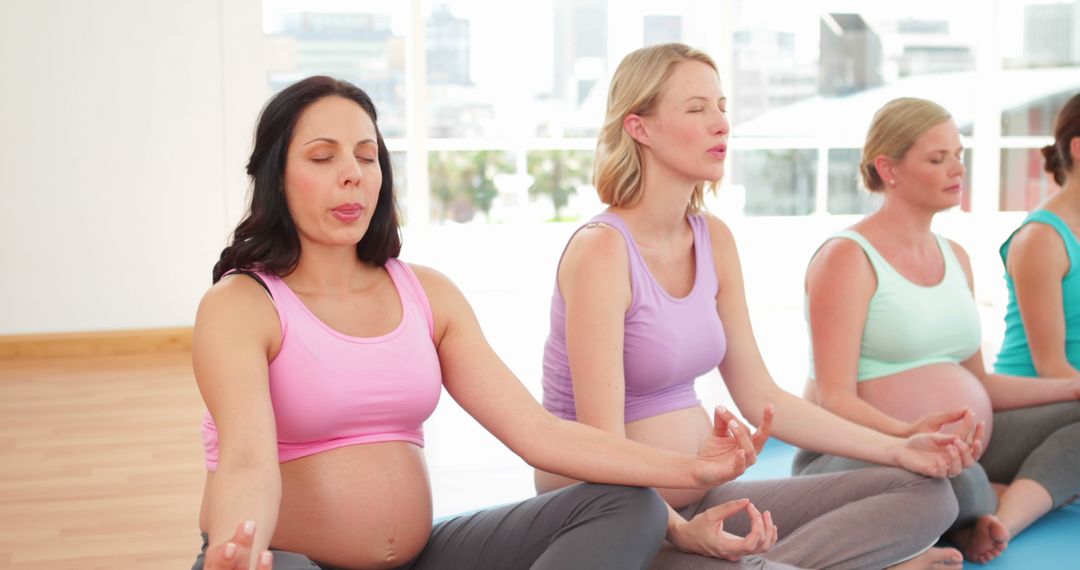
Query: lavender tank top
{"type": "Point", "coordinates": [668, 342]}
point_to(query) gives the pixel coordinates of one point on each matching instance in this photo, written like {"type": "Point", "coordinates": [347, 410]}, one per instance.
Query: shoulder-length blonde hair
{"type": "Point", "coordinates": [635, 88]}
{"type": "Point", "coordinates": [896, 127]}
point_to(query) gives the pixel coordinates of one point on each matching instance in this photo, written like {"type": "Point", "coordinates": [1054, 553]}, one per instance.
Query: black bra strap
{"type": "Point", "coordinates": [257, 279]}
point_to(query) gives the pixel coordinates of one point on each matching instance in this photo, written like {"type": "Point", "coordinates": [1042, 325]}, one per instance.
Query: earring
{"type": "Point", "coordinates": [892, 182]}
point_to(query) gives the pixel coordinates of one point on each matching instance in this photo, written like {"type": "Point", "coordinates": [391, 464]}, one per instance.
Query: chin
{"type": "Point", "coordinates": [712, 175]}
{"type": "Point", "coordinates": [953, 204]}
{"type": "Point", "coordinates": [349, 239]}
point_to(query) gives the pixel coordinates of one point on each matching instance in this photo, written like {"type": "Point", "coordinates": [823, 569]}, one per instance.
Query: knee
{"type": "Point", "coordinates": [945, 499]}
{"type": "Point", "coordinates": [929, 505]}
{"type": "Point", "coordinates": [654, 513]}
{"type": "Point", "coordinates": [641, 508]}
{"type": "Point", "coordinates": [938, 507]}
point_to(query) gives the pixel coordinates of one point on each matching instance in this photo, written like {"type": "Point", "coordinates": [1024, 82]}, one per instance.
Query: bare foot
{"type": "Point", "coordinates": [985, 541]}
{"type": "Point", "coordinates": [933, 559]}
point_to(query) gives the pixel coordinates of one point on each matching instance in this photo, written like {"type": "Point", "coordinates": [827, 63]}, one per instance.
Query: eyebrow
{"type": "Point", "coordinates": [332, 141]}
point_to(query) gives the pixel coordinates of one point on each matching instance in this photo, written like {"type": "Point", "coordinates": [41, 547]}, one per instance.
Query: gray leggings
{"type": "Point", "coordinates": [864, 519]}
{"type": "Point", "coordinates": [584, 526]}
{"type": "Point", "coordinates": [1040, 443]}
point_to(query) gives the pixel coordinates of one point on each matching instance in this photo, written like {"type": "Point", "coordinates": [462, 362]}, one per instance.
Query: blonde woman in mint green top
{"type": "Point", "coordinates": [1045, 259]}
{"type": "Point", "coordinates": [909, 325]}
{"type": "Point", "coordinates": [895, 339]}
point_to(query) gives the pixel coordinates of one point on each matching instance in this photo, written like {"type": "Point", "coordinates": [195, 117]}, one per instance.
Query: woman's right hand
{"type": "Point", "coordinates": [236, 553]}
{"type": "Point", "coordinates": [934, 422]}
{"type": "Point", "coordinates": [704, 534]}
{"type": "Point", "coordinates": [939, 454]}
{"type": "Point", "coordinates": [730, 448]}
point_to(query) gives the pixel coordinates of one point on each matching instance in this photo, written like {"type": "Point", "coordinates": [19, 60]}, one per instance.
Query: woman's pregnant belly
{"type": "Point", "coordinates": [913, 394]}
{"type": "Point", "coordinates": [355, 507]}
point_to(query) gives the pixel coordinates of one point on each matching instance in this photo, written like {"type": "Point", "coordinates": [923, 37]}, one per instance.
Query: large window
{"type": "Point", "coordinates": [1042, 64]}
{"type": "Point", "coordinates": [492, 108]}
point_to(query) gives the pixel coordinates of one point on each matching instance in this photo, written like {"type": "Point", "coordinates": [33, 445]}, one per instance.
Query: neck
{"type": "Point", "coordinates": [661, 212]}
{"type": "Point", "coordinates": [329, 269]}
{"type": "Point", "coordinates": [1070, 191]}
{"type": "Point", "coordinates": [906, 222]}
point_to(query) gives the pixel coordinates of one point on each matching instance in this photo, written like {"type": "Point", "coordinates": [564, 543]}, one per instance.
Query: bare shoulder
{"type": "Point", "coordinates": [838, 256]}
{"type": "Point", "coordinates": [236, 323]}
{"type": "Point", "coordinates": [448, 303]}
{"type": "Point", "coordinates": [1035, 239]}
{"type": "Point", "coordinates": [961, 253]}
{"type": "Point", "coordinates": [1037, 249]}
{"type": "Point", "coordinates": [596, 242]}
{"type": "Point", "coordinates": [432, 280]}
{"type": "Point", "coordinates": [237, 297]}
{"type": "Point", "coordinates": [596, 252]}
{"type": "Point", "coordinates": [719, 232]}
{"type": "Point", "coordinates": [441, 291]}
{"type": "Point", "coordinates": [840, 267]}
{"type": "Point", "coordinates": [965, 262]}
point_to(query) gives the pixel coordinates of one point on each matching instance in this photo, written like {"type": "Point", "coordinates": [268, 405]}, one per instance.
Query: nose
{"type": "Point", "coordinates": [720, 125]}
{"type": "Point", "coordinates": [958, 167]}
{"type": "Point", "coordinates": [350, 174]}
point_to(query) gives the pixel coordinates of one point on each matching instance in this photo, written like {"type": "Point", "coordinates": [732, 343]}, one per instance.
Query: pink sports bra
{"type": "Point", "coordinates": [331, 390]}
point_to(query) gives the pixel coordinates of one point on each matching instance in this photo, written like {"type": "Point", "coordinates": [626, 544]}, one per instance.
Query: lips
{"type": "Point", "coordinates": [347, 212]}
{"type": "Point", "coordinates": [718, 151]}
{"type": "Point", "coordinates": [953, 188]}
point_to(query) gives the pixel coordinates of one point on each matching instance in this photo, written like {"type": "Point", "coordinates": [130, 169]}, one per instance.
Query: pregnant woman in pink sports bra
{"type": "Point", "coordinates": [319, 355]}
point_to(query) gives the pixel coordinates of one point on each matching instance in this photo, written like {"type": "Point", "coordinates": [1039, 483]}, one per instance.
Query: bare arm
{"type": "Point", "coordinates": [478, 380]}
{"type": "Point", "coordinates": [797, 420]}
{"type": "Point", "coordinates": [1010, 392]}
{"type": "Point", "coordinates": [236, 328]}
{"type": "Point", "coordinates": [1037, 262]}
{"type": "Point", "coordinates": [594, 279]}
{"type": "Point", "coordinates": [840, 282]}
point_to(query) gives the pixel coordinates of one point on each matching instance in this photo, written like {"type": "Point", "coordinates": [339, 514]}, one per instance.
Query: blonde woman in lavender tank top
{"type": "Point", "coordinates": [649, 295]}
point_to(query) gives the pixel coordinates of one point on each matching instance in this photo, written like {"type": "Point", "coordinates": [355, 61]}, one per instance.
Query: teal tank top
{"type": "Point", "coordinates": [909, 325]}
{"type": "Point", "coordinates": [1015, 355]}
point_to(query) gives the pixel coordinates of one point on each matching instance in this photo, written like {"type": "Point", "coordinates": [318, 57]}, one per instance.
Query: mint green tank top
{"type": "Point", "coordinates": [1015, 355]}
{"type": "Point", "coordinates": [908, 325]}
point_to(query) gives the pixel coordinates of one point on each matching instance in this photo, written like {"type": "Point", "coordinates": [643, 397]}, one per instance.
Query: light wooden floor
{"type": "Point", "coordinates": [100, 463]}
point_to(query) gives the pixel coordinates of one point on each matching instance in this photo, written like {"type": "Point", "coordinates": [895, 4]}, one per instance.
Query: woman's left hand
{"type": "Point", "coordinates": [730, 448]}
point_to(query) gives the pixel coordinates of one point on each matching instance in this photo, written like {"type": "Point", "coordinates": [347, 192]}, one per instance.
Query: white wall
{"type": "Point", "coordinates": [124, 126]}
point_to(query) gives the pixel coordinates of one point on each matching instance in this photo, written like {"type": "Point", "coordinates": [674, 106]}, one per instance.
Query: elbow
{"type": "Point", "coordinates": [251, 462]}
{"type": "Point", "coordinates": [751, 403]}
{"type": "Point", "coordinates": [832, 400]}
{"type": "Point", "coordinates": [1052, 366]}
{"type": "Point", "coordinates": [535, 443]}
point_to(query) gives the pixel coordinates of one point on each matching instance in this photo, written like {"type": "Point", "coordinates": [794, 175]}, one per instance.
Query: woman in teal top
{"type": "Point", "coordinates": [895, 339]}
{"type": "Point", "coordinates": [1042, 323]}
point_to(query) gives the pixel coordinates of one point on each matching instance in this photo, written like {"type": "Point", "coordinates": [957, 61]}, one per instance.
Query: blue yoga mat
{"type": "Point", "coordinates": [1052, 543]}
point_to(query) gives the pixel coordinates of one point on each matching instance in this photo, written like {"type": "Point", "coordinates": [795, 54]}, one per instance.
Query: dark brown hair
{"type": "Point", "coordinates": [1059, 160]}
{"type": "Point", "coordinates": [267, 239]}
